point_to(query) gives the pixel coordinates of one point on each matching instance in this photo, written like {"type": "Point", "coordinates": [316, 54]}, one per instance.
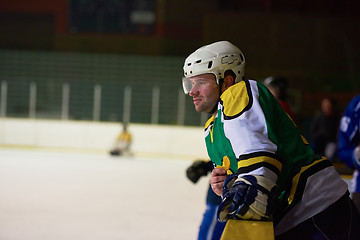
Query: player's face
{"type": "Point", "coordinates": [205, 92]}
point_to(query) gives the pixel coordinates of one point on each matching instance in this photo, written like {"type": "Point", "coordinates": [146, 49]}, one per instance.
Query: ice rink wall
{"type": "Point", "coordinates": [162, 140]}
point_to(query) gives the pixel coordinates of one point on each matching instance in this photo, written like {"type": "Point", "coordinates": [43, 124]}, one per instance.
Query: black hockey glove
{"type": "Point", "coordinates": [198, 169]}
{"type": "Point", "coordinates": [246, 197]}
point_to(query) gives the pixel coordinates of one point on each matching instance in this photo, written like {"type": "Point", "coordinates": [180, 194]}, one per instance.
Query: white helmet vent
{"type": "Point", "coordinates": [229, 59]}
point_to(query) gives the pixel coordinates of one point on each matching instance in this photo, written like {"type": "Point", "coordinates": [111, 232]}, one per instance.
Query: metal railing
{"type": "Point", "coordinates": [96, 87]}
{"type": "Point", "coordinates": [32, 109]}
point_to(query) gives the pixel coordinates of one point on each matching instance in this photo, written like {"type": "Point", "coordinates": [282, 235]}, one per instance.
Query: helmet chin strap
{"type": "Point", "coordinates": [221, 81]}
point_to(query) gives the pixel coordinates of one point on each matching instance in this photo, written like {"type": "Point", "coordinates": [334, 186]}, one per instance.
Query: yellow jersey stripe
{"type": "Point", "coordinates": [295, 180]}
{"type": "Point", "coordinates": [260, 159]}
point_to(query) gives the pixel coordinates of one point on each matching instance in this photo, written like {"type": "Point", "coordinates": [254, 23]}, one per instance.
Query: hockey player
{"type": "Point", "coordinates": [122, 142]}
{"type": "Point", "coordinates": [278, 87]}
{"type": "Point", "coordinates": [210, 227]}
{"type": "Point", "coordinates": [265, 167]}
{"type": "Point", "coordinates": [349, 144]}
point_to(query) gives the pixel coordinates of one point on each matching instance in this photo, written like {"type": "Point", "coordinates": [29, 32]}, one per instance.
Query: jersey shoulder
{"type": "Point", "coordinates": [236, 99]}
{"type": "Point", "coordinates": [354, 105]}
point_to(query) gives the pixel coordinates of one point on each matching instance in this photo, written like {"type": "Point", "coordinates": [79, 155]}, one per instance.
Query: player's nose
{"type": "Point", "coordinates": [194, 91]}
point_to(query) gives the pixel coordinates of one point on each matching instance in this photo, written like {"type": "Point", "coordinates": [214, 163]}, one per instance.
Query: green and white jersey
{"type": "Point", "coordinates": [252, 134]}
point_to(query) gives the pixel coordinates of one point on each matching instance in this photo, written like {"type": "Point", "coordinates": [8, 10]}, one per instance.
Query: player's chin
{"type": "Point", "coordinates": [198, 108]}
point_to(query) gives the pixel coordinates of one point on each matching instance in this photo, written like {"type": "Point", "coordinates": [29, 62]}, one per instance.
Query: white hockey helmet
{"type": "Point", "coordinates": [215, 58]}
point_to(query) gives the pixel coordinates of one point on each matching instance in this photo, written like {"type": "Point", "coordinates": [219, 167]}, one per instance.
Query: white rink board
{"type": "Point", "coordinates": [187, 142]}
{"type": "Point", "coordinates": [71, 196]}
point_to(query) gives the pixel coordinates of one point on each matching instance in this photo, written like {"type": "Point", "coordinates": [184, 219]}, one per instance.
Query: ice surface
{"type": "Point", "coordinates": [48, 195]}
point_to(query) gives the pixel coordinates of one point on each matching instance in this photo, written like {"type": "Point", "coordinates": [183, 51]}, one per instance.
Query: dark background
{"type": "Point", "coordinates": [315, 44]}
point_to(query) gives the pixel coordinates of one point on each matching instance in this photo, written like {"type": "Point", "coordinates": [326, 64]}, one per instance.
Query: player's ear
{"type": "Point", "coordinates": [228, 82]}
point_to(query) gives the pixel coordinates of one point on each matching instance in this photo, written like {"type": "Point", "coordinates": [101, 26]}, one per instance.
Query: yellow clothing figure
{"type": "Point", "coordinates": [122, 143]}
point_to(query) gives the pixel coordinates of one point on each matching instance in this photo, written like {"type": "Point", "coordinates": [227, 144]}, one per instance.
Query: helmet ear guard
{"type": "Point", "coordinates": [215, 58]}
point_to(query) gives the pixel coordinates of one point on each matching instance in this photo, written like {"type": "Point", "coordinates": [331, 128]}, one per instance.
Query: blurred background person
{"type": "Point", "coordinates": [122, 142]}
{"type": "Point", "coordinates": [349, 144]}
{"type": "Point", "coordinates": [278, 86]}
{"type": "Point", "coordinates": [210, 227]}
{"type": "Point", "coordinates": [323, 129]}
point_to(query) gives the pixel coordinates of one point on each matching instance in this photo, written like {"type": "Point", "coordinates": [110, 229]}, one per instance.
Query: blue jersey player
{"type": "Point", "coordinates": [349, 144]}
{"type": "Point", "coordinates": [210, 228]}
